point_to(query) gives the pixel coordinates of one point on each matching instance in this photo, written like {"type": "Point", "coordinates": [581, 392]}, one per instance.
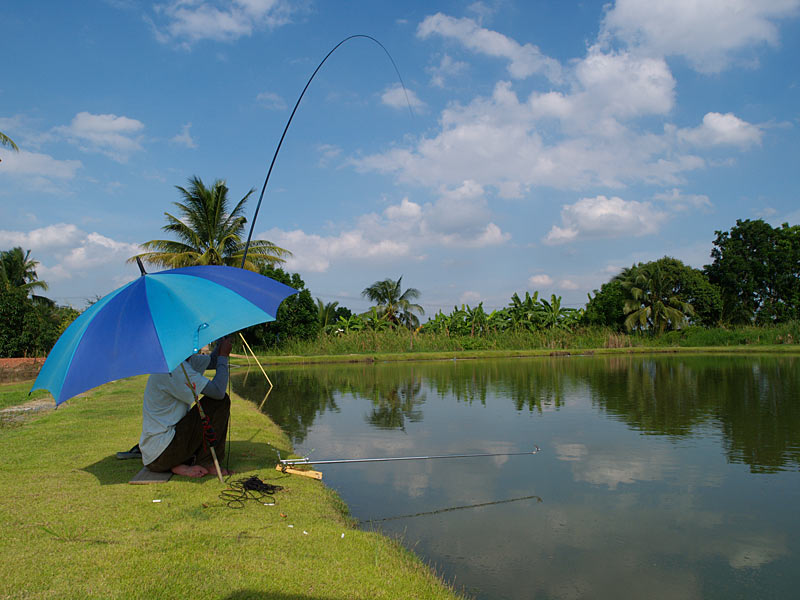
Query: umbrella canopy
{"type": "Point", "coordinates": [155, 322]}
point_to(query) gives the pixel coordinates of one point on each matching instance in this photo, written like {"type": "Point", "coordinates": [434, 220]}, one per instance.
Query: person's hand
{"type": "Point", "coordinates": [225, 346]}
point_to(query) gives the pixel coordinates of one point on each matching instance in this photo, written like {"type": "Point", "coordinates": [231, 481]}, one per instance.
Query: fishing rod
{"type": "Point", "coordinates": [294, 110]}
{"type": "Point", "coordinates": [293, 462]}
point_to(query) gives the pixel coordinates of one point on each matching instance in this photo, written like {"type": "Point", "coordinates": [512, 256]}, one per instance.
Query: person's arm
{"type": "Point", "coordinates": [217, 387]}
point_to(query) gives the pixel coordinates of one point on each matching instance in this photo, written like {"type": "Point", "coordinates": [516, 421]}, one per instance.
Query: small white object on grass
{"type": "Point", "coordinates": [156, 500]}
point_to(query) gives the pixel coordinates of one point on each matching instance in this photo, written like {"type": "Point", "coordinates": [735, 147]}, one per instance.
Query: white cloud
{"type": "Point", "coordinates": [708, 33]}
{"type": "Point", "coordinates": [568, 284]}
{"type": "Point", "coordinates": [24, 163]}
{"type": "Point", "coordinates": [401, 233]}
{"type": "Point", "coordinates": [540, 280]}
{"type": "Point", "coordinates": [511, 145]}
{"type": "Point", "coordinates": [722, 130]}
{"type": "Point", "coordinates": [446, 69]}
{"type": "Point", "coordinates": [602, 217]}
{"type": "Point", "coordinates": [116, 137]}
{"type": "Point", "coordinates": [678, 201]}
{"type": "Point", "coordinates": [400, 98]}
{"type": "Point", "coordinates": [271, 101]}
{"type": "Point", "coordinates": [184, 138]}
{"type": "Point", "coordinates": [524, 60]}
{"type": "Point", "coordinates": [188, 21]}
{"type": "Point", "coordinates": [53, 236]}
{"type": "Point", "coordinates": [65, 252]}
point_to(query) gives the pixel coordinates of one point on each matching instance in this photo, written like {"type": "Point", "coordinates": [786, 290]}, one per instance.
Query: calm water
{"type": "Point", "coordinates": [658, 477]}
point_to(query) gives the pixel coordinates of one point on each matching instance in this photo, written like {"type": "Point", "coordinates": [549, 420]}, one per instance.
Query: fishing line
{"type": "Point", "coordinates": [294, 110]}
{"type": "Point", "coordinates": [450, 509]}
{"type": "Point", "coordinates": [252, 488]}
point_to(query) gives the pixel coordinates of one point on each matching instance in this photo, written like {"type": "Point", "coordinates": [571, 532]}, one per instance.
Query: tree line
{"type": "Point", "coordinates": [754, 278]}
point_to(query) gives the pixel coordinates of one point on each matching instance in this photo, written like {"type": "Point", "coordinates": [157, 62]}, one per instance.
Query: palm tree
{"type": "Point", "coordinates": [327, 313]}
{"type": "Point", "coordinates": [8, 142]}
{"type": "Point", "coordinates": [18, 270]}
{"type": "Point", "coordinates": [209, 233]}
{"type": "Point", "coordinates": [393, 304]}
{"type": "Point", "coordinates": [651, 302]}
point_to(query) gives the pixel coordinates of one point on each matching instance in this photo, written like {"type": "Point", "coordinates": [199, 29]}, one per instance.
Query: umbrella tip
{"type": "Point", "coordinates": [141, 266]}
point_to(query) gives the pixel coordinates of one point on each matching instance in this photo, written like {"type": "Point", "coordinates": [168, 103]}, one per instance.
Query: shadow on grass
{"type": "Point", "coordinates": [244, 456]}
{"type": "Point", "coordinates": [258, 595]}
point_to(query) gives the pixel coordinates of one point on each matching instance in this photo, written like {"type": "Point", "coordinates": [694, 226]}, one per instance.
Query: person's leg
{"type": "Point", "coordinates": [184, 446]}
{"type": "Point", "coordinates": [218, 413]}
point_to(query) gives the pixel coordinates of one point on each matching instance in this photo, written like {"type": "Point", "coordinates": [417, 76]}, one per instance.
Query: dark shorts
{"type": "Point", "coordinates": [187, 446]}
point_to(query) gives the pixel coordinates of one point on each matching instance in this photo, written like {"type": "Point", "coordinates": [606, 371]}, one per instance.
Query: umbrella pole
{"type": "Point", "coordinates": [203, 416]}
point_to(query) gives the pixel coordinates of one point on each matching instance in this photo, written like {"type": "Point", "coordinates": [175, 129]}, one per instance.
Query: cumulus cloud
{"type": "Point", "coordinates": [188, 22]}
{"type": "Point", "coordinates": [602, 217]}
{"type": "Point", "coordinates": [708, 33]}
{"type": "Point", "coordinates": [24, 163]}
{"type": "Point", "coordinates": [568, 140]}
{"type": "Point", "coordinates": [66, 252]}
{"type": "Point", "coordinates": [446, 69]}
{"type": "Point", "coordinates": [60, 235]}
{"type": "Point", "coordinates": [524, 60]}
{"type": "Point", "coordinates": [400, 98]}
{"type": "Point", "coordinates": [401, 232]}
{"type": "Point", "coordinates": [540, 280]}
{"type": "Point", "coordinates": [115, 136]}
{"type": "Point", "coordinates": [678, 201]}
{"type": "Point", "coordinates": [722, 130]}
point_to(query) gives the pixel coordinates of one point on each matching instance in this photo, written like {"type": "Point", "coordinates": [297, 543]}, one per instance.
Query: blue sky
{"type": "Point", "coordinates": [549, 144]}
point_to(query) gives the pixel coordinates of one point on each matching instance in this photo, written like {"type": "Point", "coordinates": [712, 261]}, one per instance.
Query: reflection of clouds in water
{"type": "Point", "coordinates": [570, 451]}
{"type": "Point", "coordinates": [641, 552]}
{"type": "Point", "coordinates": [754, 552]}
{"type": "Point", "coordinates": [610, 468]}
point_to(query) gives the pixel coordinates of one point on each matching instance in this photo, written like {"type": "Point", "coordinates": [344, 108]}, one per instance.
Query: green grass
{"type": "Point", "coordinates": [403, 345]}
{"type": "Point", "coordinates": [14, 394]}
{"type": "Point", "coordinates": [74, 528]}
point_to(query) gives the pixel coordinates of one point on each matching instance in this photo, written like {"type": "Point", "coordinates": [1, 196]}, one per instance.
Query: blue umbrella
{"type": "Point", "coordinates": [155, 322]}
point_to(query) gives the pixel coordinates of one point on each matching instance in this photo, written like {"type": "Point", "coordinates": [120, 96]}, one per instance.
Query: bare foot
{"type": "Point", "coordinates": [193, 471]}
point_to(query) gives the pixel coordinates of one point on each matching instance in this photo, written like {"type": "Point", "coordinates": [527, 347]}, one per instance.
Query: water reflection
{"type": "Point", "coordinates": [659, 477]}
{"type": "Point", "coordinates": [750, 401]}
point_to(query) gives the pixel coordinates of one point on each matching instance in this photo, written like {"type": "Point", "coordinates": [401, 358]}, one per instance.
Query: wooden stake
{"type": "Point", "coordinates": [311, 474]}
{"type": "Point", "coordinates": [255, 359]}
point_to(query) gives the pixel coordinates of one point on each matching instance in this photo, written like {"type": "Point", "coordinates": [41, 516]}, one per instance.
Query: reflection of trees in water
{"type": "Point", "coordinates": [530, 384]}
{"type": "Point", "coordinates": [294, 402]}
{"type": "Point", "coordinates": [753, 401]}
{"type": "Point", "coordinates": [301, 393]}
{"type": "Point", "coordinates": [393, 404]}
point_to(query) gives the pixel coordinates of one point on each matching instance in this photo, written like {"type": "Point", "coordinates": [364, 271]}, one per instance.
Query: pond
{"type": "Point", "coordinates": [658, 477]}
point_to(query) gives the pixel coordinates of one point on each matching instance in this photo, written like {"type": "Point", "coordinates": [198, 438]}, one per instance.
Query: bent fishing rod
{"type": "Point", "coordinates": [293, 462]}
{"type": "Point", "coordinates": [291, 116]}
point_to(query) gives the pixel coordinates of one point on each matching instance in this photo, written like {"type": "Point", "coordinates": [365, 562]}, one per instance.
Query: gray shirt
{"type": "Point", "coordinates": [168, 397]}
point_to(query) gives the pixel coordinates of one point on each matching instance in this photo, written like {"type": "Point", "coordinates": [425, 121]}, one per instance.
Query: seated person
{"type": "Point", "coordinates": [172, 433]}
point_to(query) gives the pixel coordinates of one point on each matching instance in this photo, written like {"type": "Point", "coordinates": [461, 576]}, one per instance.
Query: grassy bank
{"type": "Point", "coordinates": [405, 345]}
{"type": "Point", "coordinates": [74, 528]}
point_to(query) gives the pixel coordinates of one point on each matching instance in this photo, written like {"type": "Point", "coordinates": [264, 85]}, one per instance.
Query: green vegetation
{"type": "Point", "coordinates": [348, 345]}
{"type": "Point", "coordinates": [74, 528]}
{"type": "Point", "coordinates": [8, 142]}
{"type": "Point", "coordinates": [394, 305]}
{"type": "Point", "coordinates": [14, 394]}
{"type": "Point", "coordinates": [29, 324]}
{"type": "Point", "coordinates": [209, 233]}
